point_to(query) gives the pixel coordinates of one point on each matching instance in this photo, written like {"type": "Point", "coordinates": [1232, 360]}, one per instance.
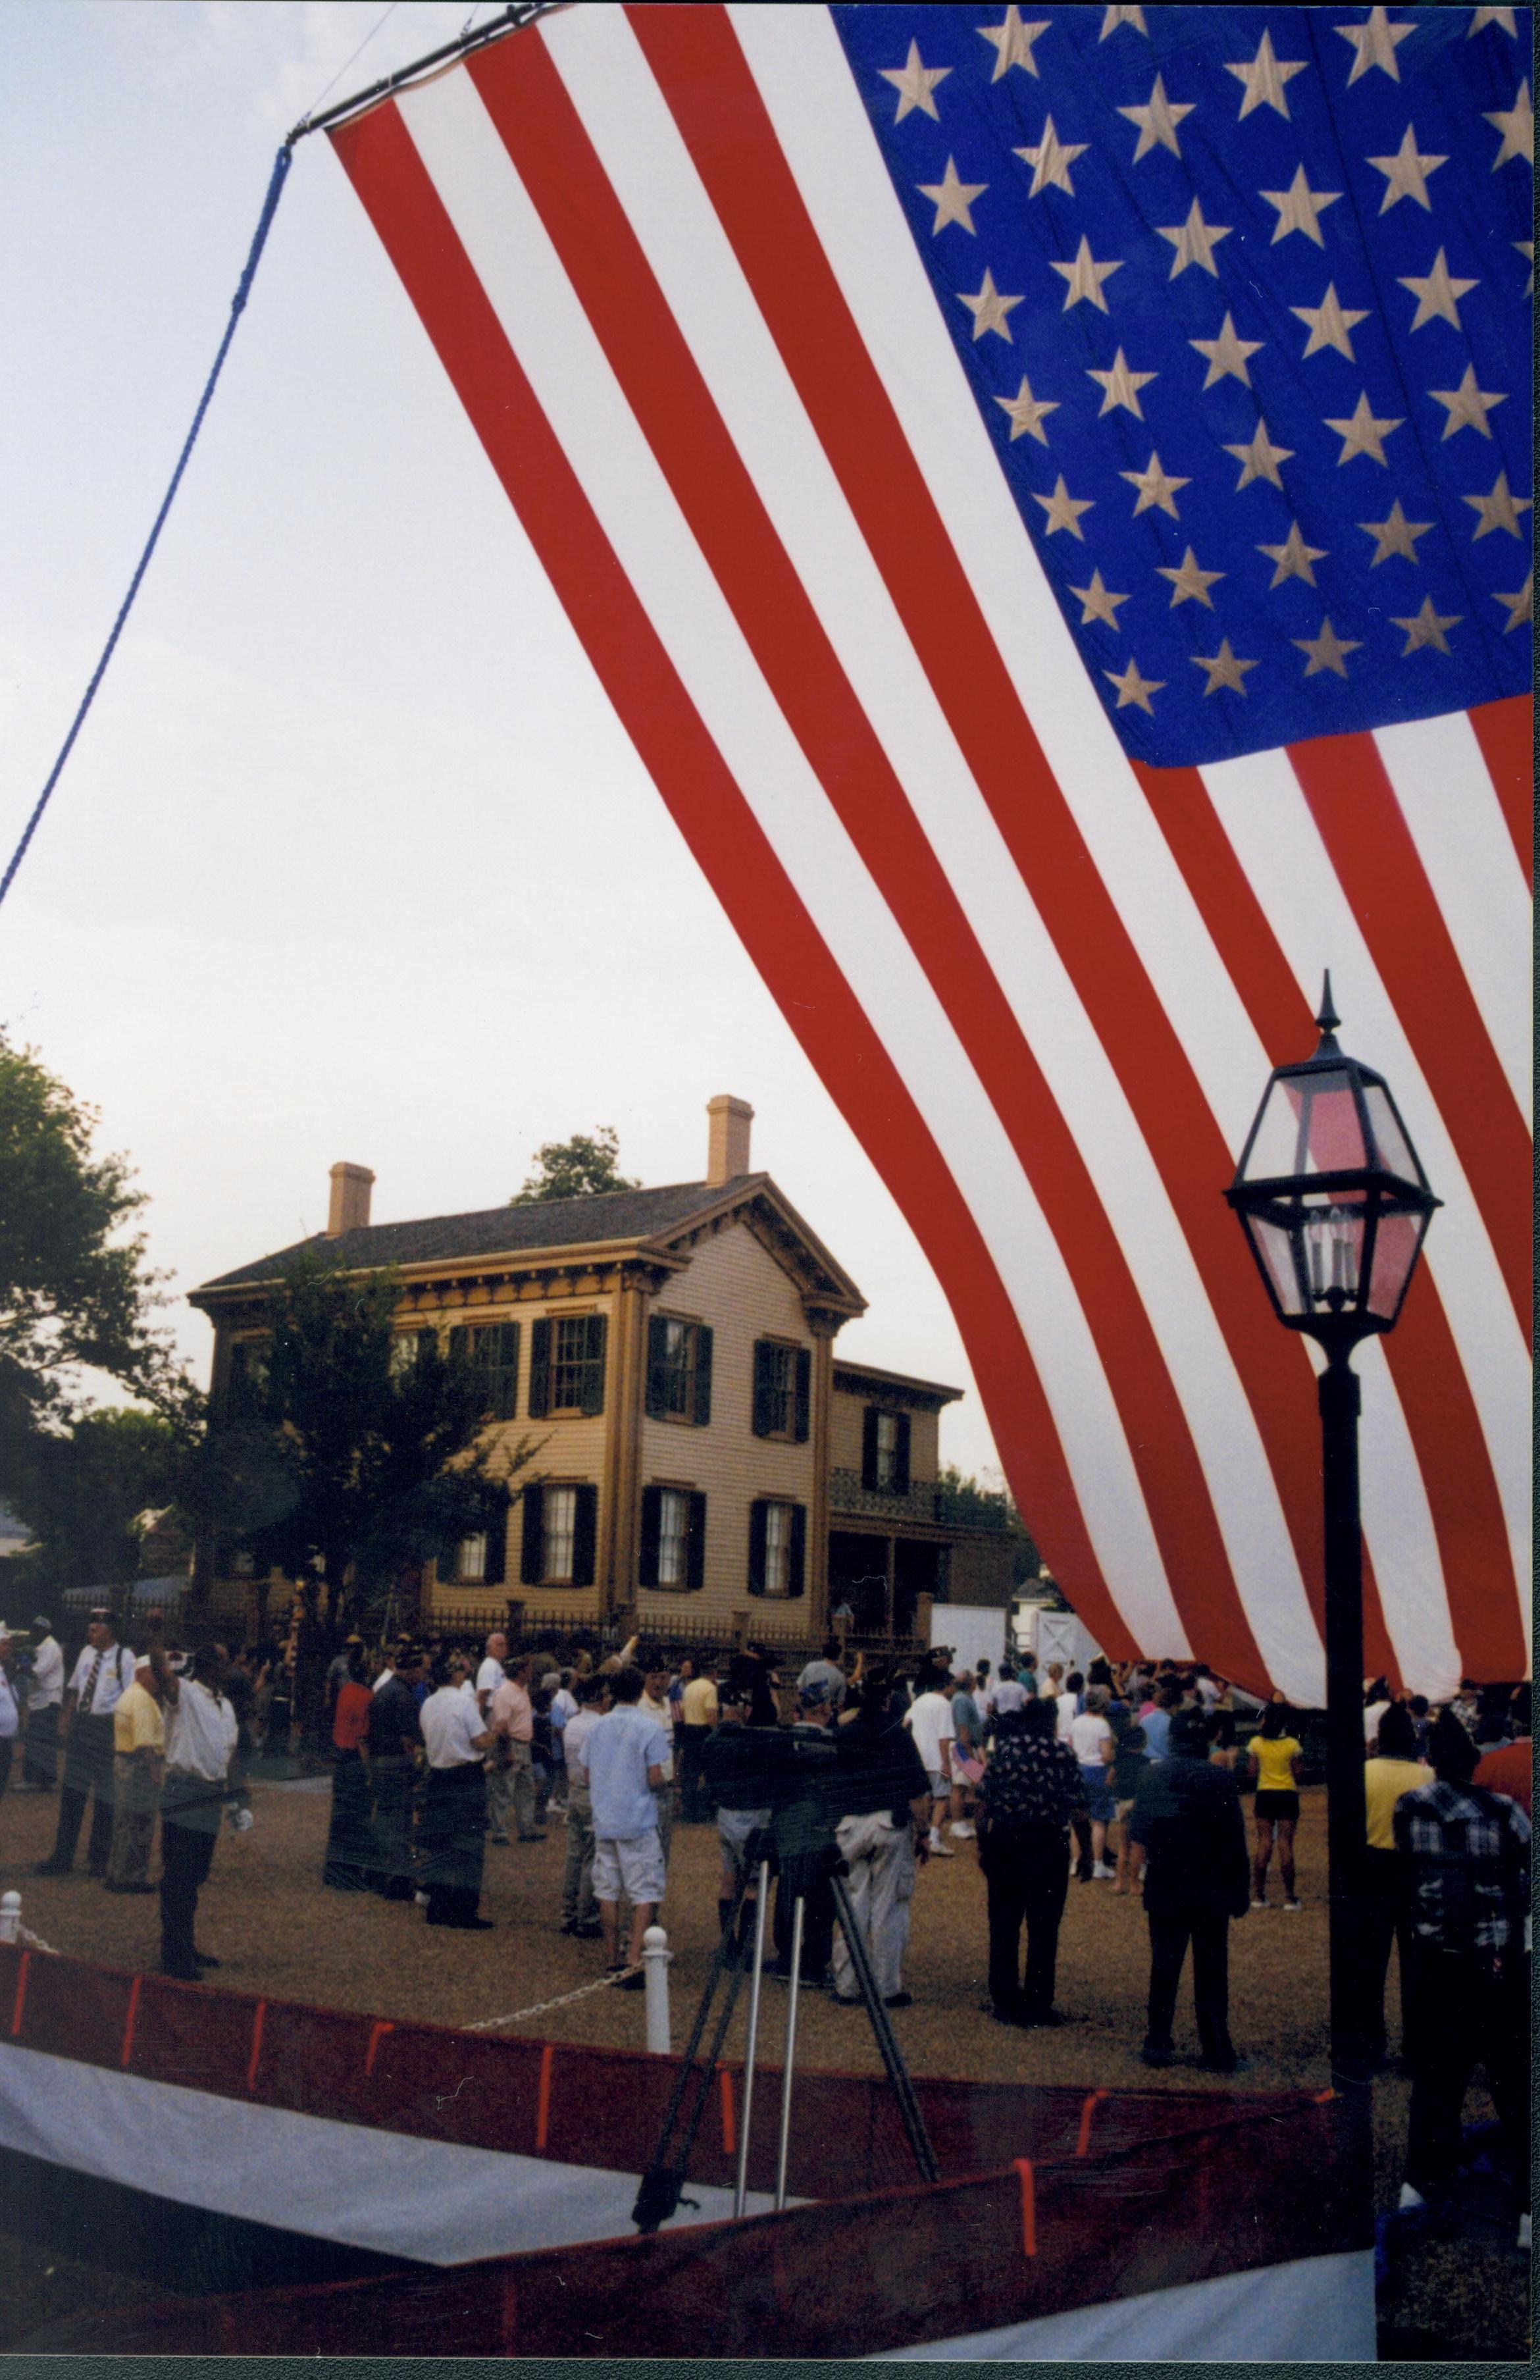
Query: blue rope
{"type": "Point", "coordinates": [269, 208]}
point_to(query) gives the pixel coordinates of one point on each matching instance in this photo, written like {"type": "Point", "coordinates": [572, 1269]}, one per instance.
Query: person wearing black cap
{"type": "Point", "coordinates": [105, 1670]}
{"type": "Point", "coordinates": [40, 1762]}
{"type": "Point", "coordinates": [737, 1770]}
{"type": "Point", "coordinates": [1467, 1856]}
{"type": "Point", "coordinates": [1187, 1815]}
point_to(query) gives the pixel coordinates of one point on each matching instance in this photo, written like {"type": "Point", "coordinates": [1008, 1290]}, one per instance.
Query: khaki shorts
{"type": "Point", "coordinates": [634, 1864]}
{"type": "Point", "coordinates": [1125, 1807]}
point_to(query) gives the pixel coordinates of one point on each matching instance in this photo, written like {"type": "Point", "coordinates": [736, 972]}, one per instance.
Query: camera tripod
{"type": "Point", "coordinates": [661, 2190]}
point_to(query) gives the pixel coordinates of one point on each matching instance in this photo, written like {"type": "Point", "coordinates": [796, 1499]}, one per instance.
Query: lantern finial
{"type": "Point", "coordinates": [1329, 1020]}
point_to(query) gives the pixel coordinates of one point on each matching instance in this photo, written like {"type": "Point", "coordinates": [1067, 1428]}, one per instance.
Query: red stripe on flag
{"type": "Point", "coordinates": [1506, 732]}
{"type": "Point", "coordinates": [695, 55]}
{"type": "Point", "coordinates": [1354, 806]}
{"type": "Point", "coordinates": [380, 158]}
{"type": "Point", "coordinates": [1452, 1453]}
{"type": "Point", "coordinates": [555, 160]}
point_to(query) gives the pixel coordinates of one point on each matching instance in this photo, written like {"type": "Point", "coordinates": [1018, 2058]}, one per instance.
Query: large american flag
{"type": "Point", "coordinates": [1044, 492]}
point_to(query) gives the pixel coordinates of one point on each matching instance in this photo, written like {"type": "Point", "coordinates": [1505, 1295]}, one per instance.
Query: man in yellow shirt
{"type": "Point", "coordinates": [699, 1703]}
{"type": "Point", "coordinates": [1386, 1886]}
{"type": "Point", "coordinates": [138, 1758]}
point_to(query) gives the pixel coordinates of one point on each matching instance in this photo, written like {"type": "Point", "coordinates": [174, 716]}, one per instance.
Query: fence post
{"type": "Point", "coordinates": [656, 1956]}
{"type": "Point", "coordinates": [10, 1916]}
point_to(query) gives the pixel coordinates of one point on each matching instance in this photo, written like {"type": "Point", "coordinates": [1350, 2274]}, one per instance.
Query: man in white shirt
{"type": "Point", "coordinates": [10, 1711]}
{"type": "Point", "coordinates": [579, 1903]}
{"type": "Point", "coordinates": [451, 1836]}
{"type": "Point", "coordinates": [202, 1732]}
{"type": "Point", "coordinates": [928, 1720]}
{"type": "Point", "coordinates": [489, 1676]}
{"type": "Point", "coordinates": [105, 1670]}
{"type": "Point", "coordinates": [41, 1764]}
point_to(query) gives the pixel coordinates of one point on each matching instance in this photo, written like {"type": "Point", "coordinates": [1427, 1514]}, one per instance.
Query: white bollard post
{"type": "Point", "coordinates": [10, 1916]}
{"type": "Point", "coordinates": [656, 1956]}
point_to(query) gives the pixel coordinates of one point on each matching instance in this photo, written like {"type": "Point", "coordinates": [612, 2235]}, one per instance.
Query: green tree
{"type": "Point", "coordinates": [964, 1500]}
{"type": "Point", "coordinates": [75, 1289]}
{"type": "Point", "coordinates": [81, 1490]}
{"type": "Point", "coordinates": [576, 1168]}
{"type": "Point", "coordinates": [339, 1465]}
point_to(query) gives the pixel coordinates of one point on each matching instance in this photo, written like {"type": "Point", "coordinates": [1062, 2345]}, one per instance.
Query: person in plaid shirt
{"type": "Point", "coordinates": [1467, 1856]}
{"type": "Point", "coordinates": [1028, 1793]}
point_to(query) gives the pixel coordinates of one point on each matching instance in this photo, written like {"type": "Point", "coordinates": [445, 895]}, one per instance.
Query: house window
{"type": "Point", "coordinates": [491, 1348]}
{"type": "Point", "coordinates": [678, 1370]}
{"type": "Point", "coordinates": [566, 1364]}
{"type": "Point", "coordinates": [885, 1451]}
{"type": "Point", "coordinates": [672, 1554]}
{"type": "Point", "coordinates": [476, 1561]}
{"type": "Point", "coordinates": [559, 1534]}
{"type": "Point", "coordinates": [783, 1389]}
{"type": "Point", "coordinates": [407, 1347]}
{"type": "Point", "coordinates": [247, 1384]}
{"type": "Point", "coordinates": [777, 1547]}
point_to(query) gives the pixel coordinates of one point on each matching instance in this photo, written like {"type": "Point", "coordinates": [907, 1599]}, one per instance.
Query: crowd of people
{"type": "Point", "coordinates": [1125, 1777]}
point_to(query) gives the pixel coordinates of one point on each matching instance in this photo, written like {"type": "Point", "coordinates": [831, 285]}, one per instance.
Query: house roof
{"type": "Point", "coordinates": [606, 1219]}
{"type": "Point", "coordinates": [866, 1378]}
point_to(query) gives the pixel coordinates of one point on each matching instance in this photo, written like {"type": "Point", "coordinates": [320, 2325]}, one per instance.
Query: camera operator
{"type": "Point", "coordinates": [883, 1796]}
{"type": "Point", "coordinates": [807, 1807]}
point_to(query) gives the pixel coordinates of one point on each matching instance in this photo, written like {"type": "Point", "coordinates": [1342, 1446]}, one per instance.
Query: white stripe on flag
{"type": "Point", "coordinates": [1455, 820]}
{"type": "Point", "coordinates": [541, 314]}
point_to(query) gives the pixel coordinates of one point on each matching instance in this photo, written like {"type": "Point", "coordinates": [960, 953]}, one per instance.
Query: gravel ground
{"type": "Point", "coordinates": [277, 1930]}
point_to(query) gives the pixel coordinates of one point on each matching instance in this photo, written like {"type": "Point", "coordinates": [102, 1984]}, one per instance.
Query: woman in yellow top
{"type": "Point", "coordinates": [1274, 1761]}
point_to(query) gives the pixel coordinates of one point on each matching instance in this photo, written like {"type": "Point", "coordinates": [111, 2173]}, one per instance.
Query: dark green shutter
{"type": "Point", "coordinates": [657, 1352]}
{"type": "Point", "coordinates": [459, 1343]}
{"type": "Point", "coordinates": [702, 1413]}
{"type": "Point", "coordinates": [797, 1566]}
{"type": "Point", "coordinates": [757, 1543]}
{"type": "Point", "coordinates": [901, 1457]}
{"type": "Point", "coordinates": [804, 1394]}
{"type": "Point", "coordinates": [497, 1551]}
{"type": "Point", "coordinates": [539, 1368]}
{"type": "Point", "coordinates": [695, 1555]}
{"type": "Point", "coordinates": [593, 1368]}
{"type": "Point", "coordinates": [585, 1534]}
{"type": "Point", "coordinates": [504, 1370]}
{"type": "Point", "coordinates": [764, 1389]}
{"type": "Point", "coordinates": [427, 1343]}
{"type": "Point", "coordinates": [868, 1450]}
{"type": "Point", "coordinates": [532, 1568]}
{"type": "Point", "coordinates": [652, 1521]}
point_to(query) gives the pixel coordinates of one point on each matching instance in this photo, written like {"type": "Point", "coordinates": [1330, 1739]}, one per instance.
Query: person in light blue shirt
{"type": "Point", "coordinates": [627, 1756]}
{"type": "Point", "coordinates": [1157, 1723]}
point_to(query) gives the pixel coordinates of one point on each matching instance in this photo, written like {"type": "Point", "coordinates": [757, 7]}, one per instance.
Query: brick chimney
{"type": "Point", "coordinates": [349, 1211]}
{"type": "Point", "coordinates": [727, 1149]}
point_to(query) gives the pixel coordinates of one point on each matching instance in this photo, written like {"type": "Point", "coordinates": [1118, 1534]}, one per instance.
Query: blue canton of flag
{"type": "Point", "coordinates": [1240, 294]}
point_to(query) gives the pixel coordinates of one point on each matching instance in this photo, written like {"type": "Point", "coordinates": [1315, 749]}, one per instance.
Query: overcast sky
{"type": "Point", "coordinates": [353, 859]}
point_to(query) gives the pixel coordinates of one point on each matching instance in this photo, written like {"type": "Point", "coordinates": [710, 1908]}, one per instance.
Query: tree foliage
{"type": "Point", "coordinates": [81, 1490]}
{"type": "Point", "coordinates": [339, 1465]}
{"type": "Point", "coordinates": [968, 1500]}
{"type": "Point", "coordinates": [578, 1168]}
{"type": "Point", "coordinates": [75, 1289]}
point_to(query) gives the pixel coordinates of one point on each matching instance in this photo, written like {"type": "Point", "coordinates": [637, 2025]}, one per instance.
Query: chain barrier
{"type": "Point", "coordinates": [584, 1991]}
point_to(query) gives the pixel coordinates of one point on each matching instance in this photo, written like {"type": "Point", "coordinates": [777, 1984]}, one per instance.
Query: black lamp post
{"type": "Point", "coordinates": [1336, 1207]}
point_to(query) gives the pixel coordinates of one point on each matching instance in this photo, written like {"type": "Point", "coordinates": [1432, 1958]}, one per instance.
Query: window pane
{"type": "Point", "coordinates": [887, 1449]}
{"type": "Point", "coordinates": [473, 1559]}
{"type": "Point", "coordinates": [569, 1362]}
{"type": "Point", "coordinates": [559, 1507]}
{"type": "Point", "coordinates": [777, 1547]}
{"type": "Point", "coordinates": [679, 1349]}
{"type": "Point", "coordinates": [673, 1528]}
